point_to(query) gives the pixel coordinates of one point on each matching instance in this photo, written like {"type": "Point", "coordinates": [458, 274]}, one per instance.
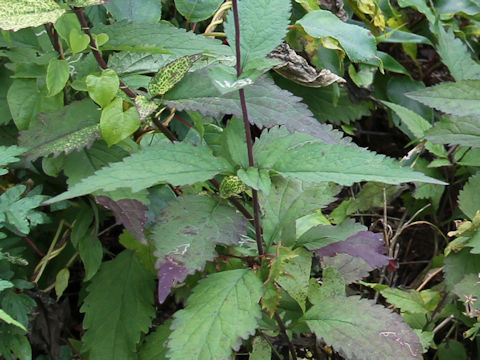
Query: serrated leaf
{"type": "Point", "coordinates": [16, 212]}
{"type": "Point", "coordinates": [197, 10]}
{"type": "Point", "coordinates": [364, 244]}
{"type": "Point", "coordinates": [295, 156]}
{"type": "Point", "coordinates": [272, 295]}
{"type": "Point", "coordinates": [222, 310]}
{"type": "Point", "coordinates": [459, 264]}
{"type": "Point", "coordinates": [332, 285]}
{"type": "Point", "coordinates": [455, 55]}
{"type": "Point", "coordinates": [62, 131]}
{"type": "Point", "coordinates": [8, 154]}
{"type": "Point", "coordinates": [261, 349]}
{"type": "Point", "coordinates": [176, 163]}
{"type": "Point", "coordinates": [350, 267]}
{"type": "Point", "coordinates": [26, 102]}
{"type": "Point", "coordinates": [171, 74]}
{"type": "Point", "coordinates": [143, 12]}
{"type": "Point", "coordinates": [161, 38]}
{"type": "Point", "coordinates": [145, 107]}
{"type": "Point", "coordinates": [456, 131]}
{"type": "Point", "coordinates": [58, 73]}
{"type": "Point", "coordinates": [116, 124]}
{"type": "Point", "coordinates": [358, 43]}
{"type": "Point", "coordinates": [461, 98]}
{"type": "Point", "coordinates": [19, 14]}
{"type": "Point", "coordinates": [410, 301]}
{"type": "Point", "coordinates": [256, 40]}
{"type": "Point", "coordinates": [415, 123]}
{"type": "Point", "coordinates": [256, 179]}
{"type": "Point", "coordinates": [185, 234]}
{"type": "Point", "coordinates": [384, 335]}
{"type": "Point", "coordinates": [121, 285]}
{"type": "Point", "coordinates": [143, 252]}
{"type": "Point", "coordinates": [103, 88]}
{"type": "Point", "coordinates": [295, 277]}
{"type": "Point", "coordinates": [469, 288]}
{"type": "Point", "coordinates": [289, 200]}
{"type": "Point", "coordinates": [130, 213]}
{"type": "Point", "coordinates": [155, 346]}
{"type": "Point", "coordinates": [268, 105]}
{"type": "Point", "coordinates": [469, 197]}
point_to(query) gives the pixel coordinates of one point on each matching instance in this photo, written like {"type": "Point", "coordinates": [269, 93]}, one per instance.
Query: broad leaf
{"type": "Point", "coordinates": [289, 200]}
{"type": "Point", "coordinates": [459, 264]}
{"type": "Point", "coordinates": [222, 310]}
{"type": "Point", "coordinates": [26, 102]}
{"type": "Point", "coordinates": [467, 289]}
{"type": "Point", "coordinates": [415, 123]}
{"type": "Point", "coordinates": [295, 156]}
{"type": "Point", "coordinates": [411, 300]}
{"type": "Point", "coordinates": [145, 107]}
{"type": "Point", "coordinates": [421, 6]}
{"type": "Point", "coordinates": [461, 98]}
{"type": "Point", "coordinates": [62, 130]}
{"type": "Point", "coordinates": [103, 88]}
{"type": "Point", "coordinates": [142, 12]}
{"type": "Point", "coordinates": [116, 124]}
{"type": "Point", "coordinates": [350, 267]}
{"type": "Point", "coordinates": [455, 56]}
{"type": "Point", "coordinates": [155, 346]}
{"type": "Point", "coordinates": [332, 285]}
{"type": "Point", "coordinates": [9, 155]}
{"type": "Point", "coordinates": [456, 131]}
{"type": "Point", "coordinates": [358, 42]}
{"type": "Point", "coordinates": [268, 105]}
{"type": "Point", "coordinates": [130, 213]}
{"type": "Point", "coordinates": [323, 235]}
{"type": "Point", "coordinates": [57, 76]}
{"type": "Point", "coordinates": [19, 14]}
{"type": "Point", "coordinates": [176, 163]}
{"type": "Point", "coordinates": [469, 197]}
{"type": "Point", "coordinates": [383, 336]}
{"type": "Point", "coordinates": [261, 349]}
{"type": "Point", "coordinates": [257, 40]}
{"type": "Point", "coordinates": [161, 38]}
{"type": "Point", "coordinates": [121, 286]}
{"type": "Point", "coordinates": [185, 234]}
{"type": "Point", "coordinates": [197, 10]}
{"type": "Point", "coordinates": [364, 244]}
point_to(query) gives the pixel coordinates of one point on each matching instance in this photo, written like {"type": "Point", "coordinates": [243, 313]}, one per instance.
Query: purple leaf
{"type": "Point", "coordinates": [169, 274]}
{"type": "Point", "coordinates": [364, 244]}
{"type": "Point", "coordinates": [129, 212]}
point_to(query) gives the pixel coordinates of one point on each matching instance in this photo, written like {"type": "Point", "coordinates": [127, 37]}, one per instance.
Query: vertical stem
{"type": "Point", "coordinates": [248, 134]}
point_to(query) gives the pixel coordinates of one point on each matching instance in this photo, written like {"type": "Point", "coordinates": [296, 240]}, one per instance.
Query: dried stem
{"type": "Point", "coordinates": [248, 134]}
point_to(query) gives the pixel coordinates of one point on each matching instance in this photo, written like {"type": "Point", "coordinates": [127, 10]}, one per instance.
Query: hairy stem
{"type": "Point", "coordinates": [246, 122]}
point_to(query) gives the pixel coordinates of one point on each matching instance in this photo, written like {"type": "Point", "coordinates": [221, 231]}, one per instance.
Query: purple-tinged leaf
{"type": "Point", "coordinates": [186, 232]}
{"type": "Point", "coordinates": [129, 212]}
{"type": "Point", "coordinates": [364, 244]}
{"type": "Point", "coordinates": [360, 329]}
{"type": "Point", "coordinates": [169, 273]}
{"type": "Point", "coordinates": [350, 267]}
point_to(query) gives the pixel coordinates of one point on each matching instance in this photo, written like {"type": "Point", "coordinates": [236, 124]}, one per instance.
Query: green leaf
{"type": "Point", "coordinates": [410, 301]}
{"type": "Point", "coordinates": [234, 143]}
{"type": "Point", "coordinates": [19, 14]}
{"type": "Point", "coordinates": [9, 155]}
{"type": "Point", "coordinates": [332, 285]}
{"type": "Point", "coordinates": [57, 76]}
{"type": "Point", "coordinates": [61, 282]}
{"type": "Point", "coordinates": [358, 43]}
{"type": "Point", "coordinates": [155, 346]}
{"type": "Point", "coordinates": [295, 156]}
{"type": "Point", "coordinates": [415, 123]}
{"type": "Point", "coordinates": [351, 268]}
{"type": "Point", "coordinates": [457, 265]}
{"type": "Point", "coordinates": [10, 320]}
{"type": "Point", "coordinates": [85, 3]}
{"type": "Point", "coordinates": [143, 12]}
{"type": "Point", "coordinates": [159, 38]}
{"type": "Point", "coordinates": [222, 310]}
{"type": "Point", "coordinates": [452, 349]}
{"type": "Point", "coordinates": [197, 10]}
{"type": "Point", "coordinates": [384, 336]}
{"type": "Point", "coordinates": [294, 280]}
{"type": "Point", "coordinates": [456, 131]}
{"type": "Point", "coordinates": [469, 197]}
{"type": "Point", "coordinates": [143, 252]}
{"type": "Point", "coordinates": [261, 349]}
{"type": "Point", "coordinates": [78, 40]}
{"type": "Point", "coordinates": [421, 6]}
{"type": "Point", "coordinates": [144, 106]}
{"type": "Point", "coordinates": [176, 163]}
{"type": "Point", "coordinates": [62, 131]}
{"type": "Point", "coordinates": [323, 235]}
{"type": "Point", "coordinates": [102, 89]}
{"type": "Point", "coordinates": [461, 98]}
{"type": "Point", "coordinates": [289, 200]}
{"type": "Point", "coordinates": [91, 253]}
{"type": "Point", "coordinates": [257, 40]}
{"type": "Point", "coordinates": [255, 178]}
{"type": "Point", "coordinates": [26, 102]}
{"type": "Point", "coordinates": [455, 56]}
{"type": "Point", "coordinates": [185, 234]}
{"type": "Point", "coordinates": [116, 124]}
{"type": "Point", "coordinates": [121, 286]}
{"type": "Point", "coordinates": [16, 210]}
{"type": "Point", "coordinates": [171, 74]}
{"type": "Point", "coordinates": [468, 288]}
{"type": "Point", "coordinates": [268, 105]}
